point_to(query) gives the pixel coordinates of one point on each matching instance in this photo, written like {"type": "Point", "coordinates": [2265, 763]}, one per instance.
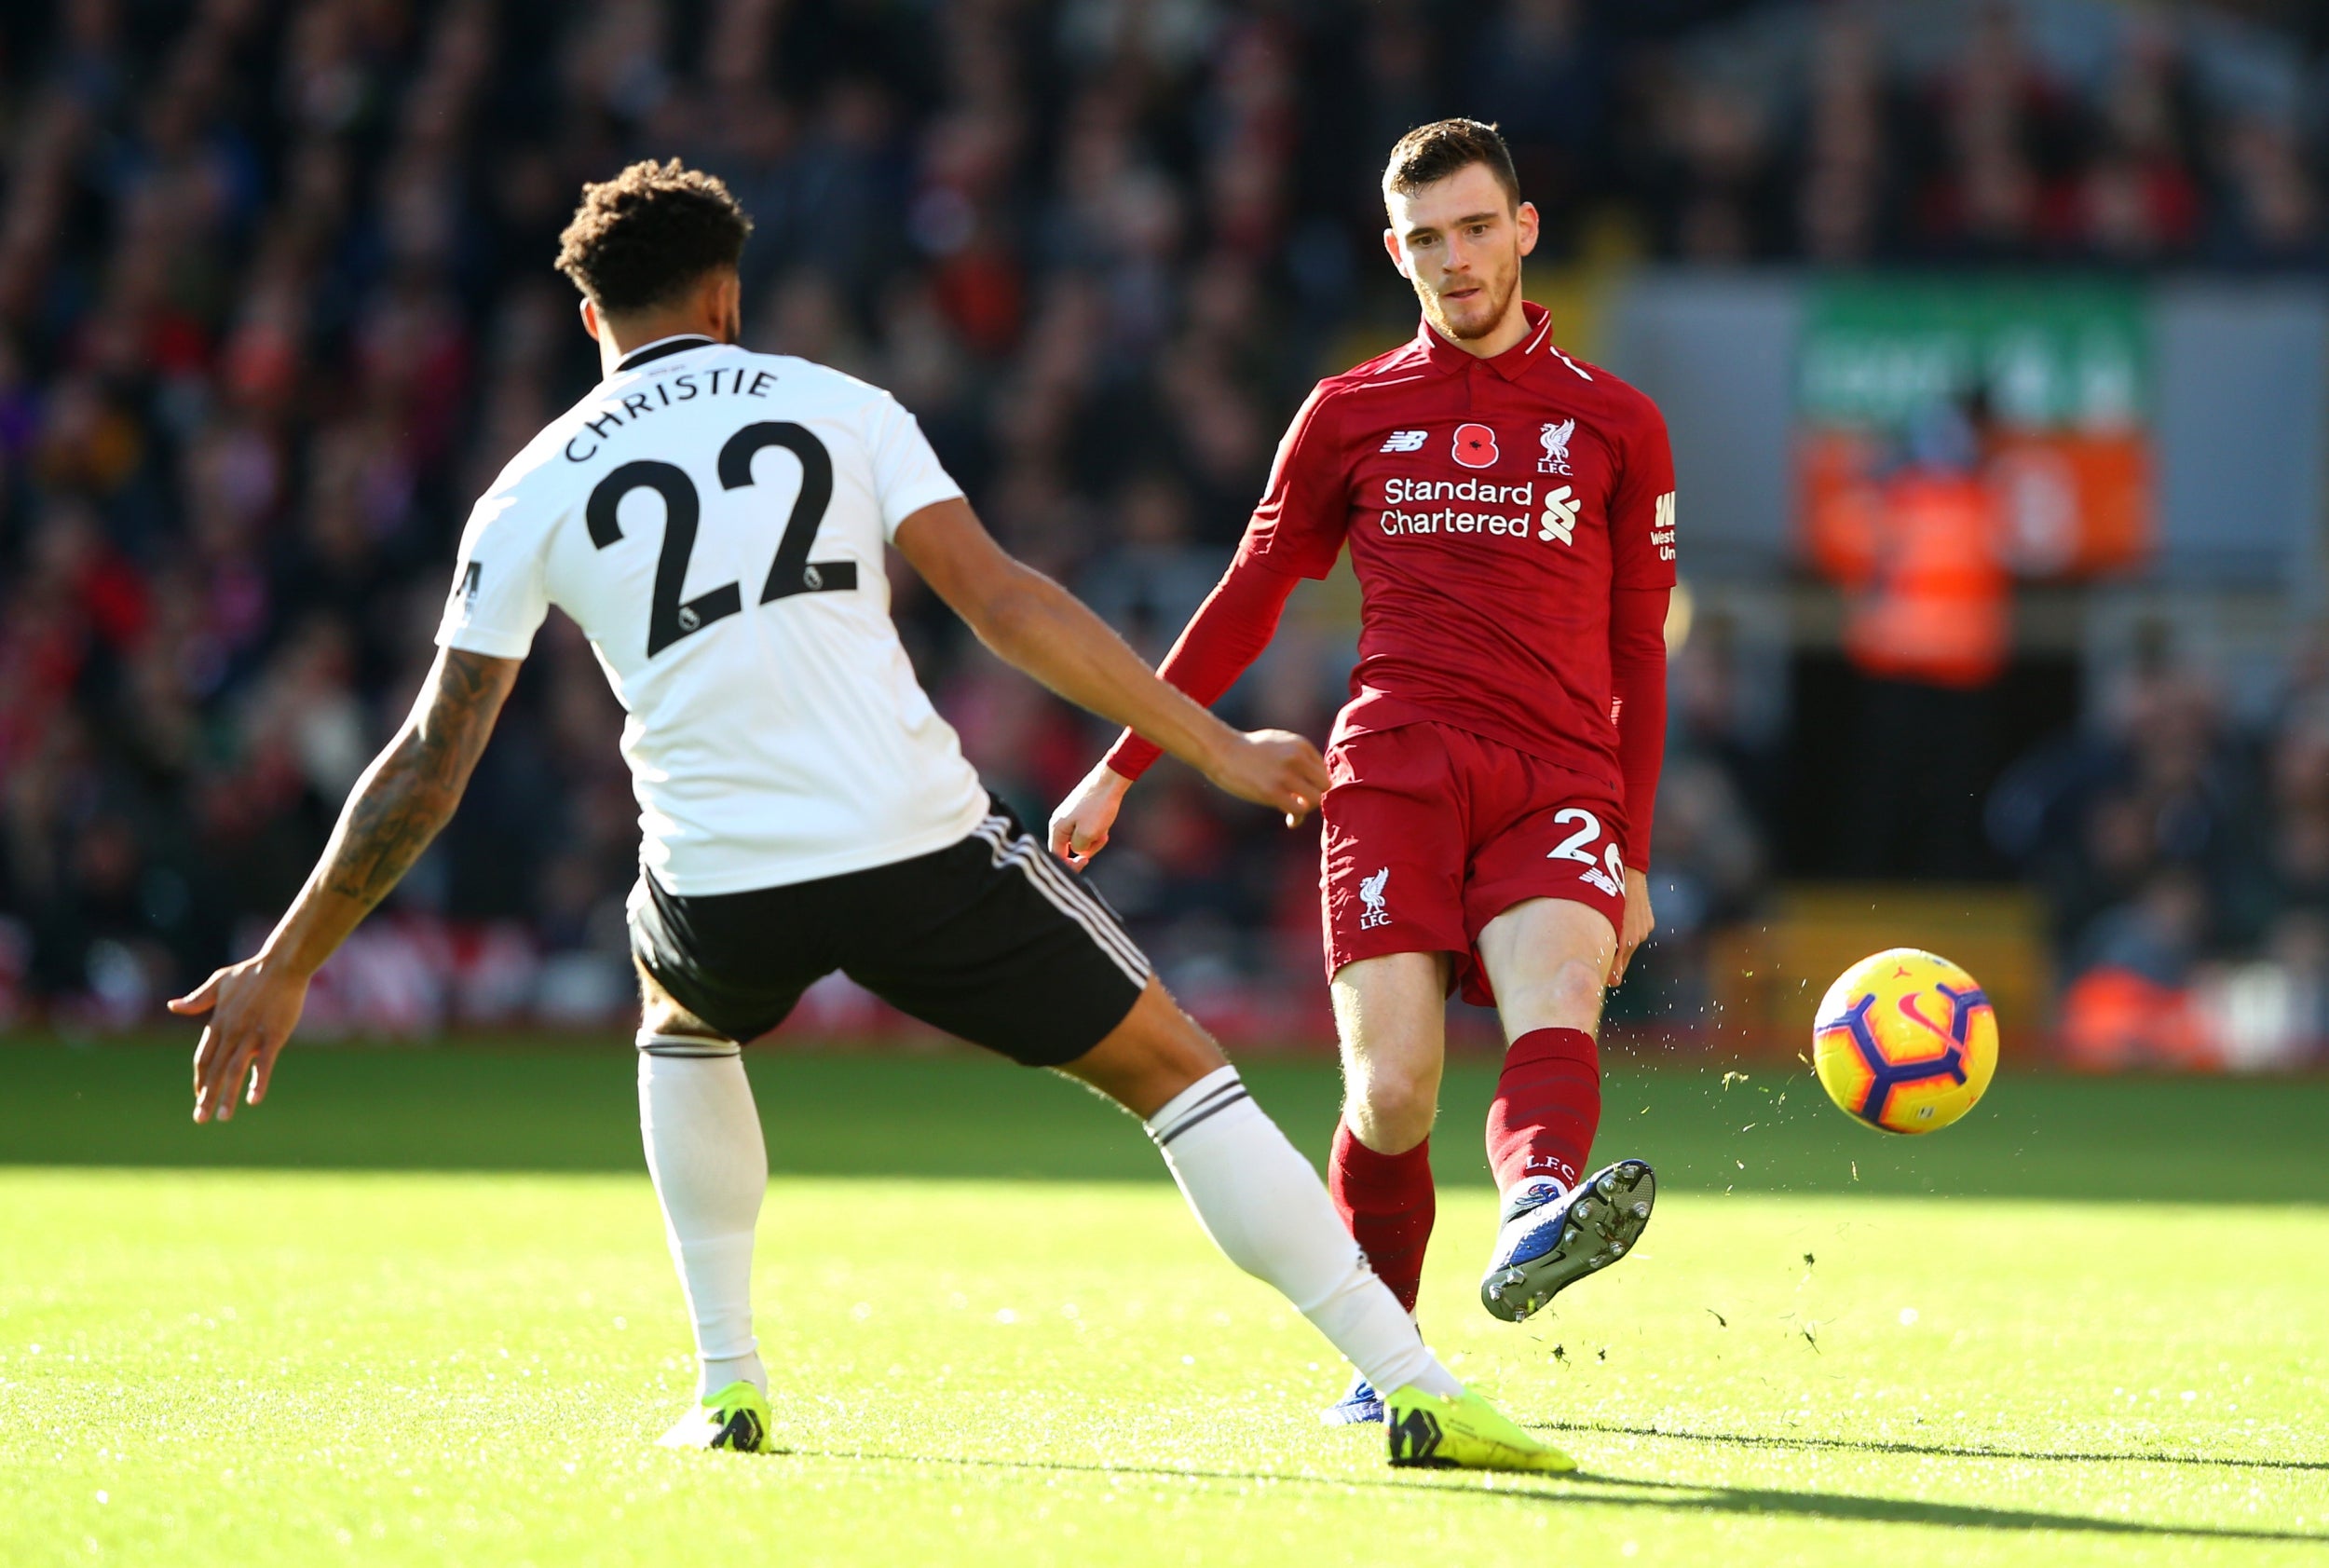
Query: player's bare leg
{"type": "Point", "coordinates": [1390, 1019]}
{"type": "Point", "coordinates": [1252, 1191]}
{"type": "Point", "coordinates": [1155, 1054]}
{"type": "Point", "coordinates": [1548, 961]}
{"type": "Point", "coordinates": [704, 1152]}
{"type": "Point", "coordinates": [1390, 1015]}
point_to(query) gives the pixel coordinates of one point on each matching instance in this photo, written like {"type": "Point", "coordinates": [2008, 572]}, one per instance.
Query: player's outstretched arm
{"type": "Point", "coordinates": [1219, 644]}
{"type": "Point", "coordinates": [1637, 662]}
{"type": "Point", "coordinates": [1032, 622]}
{"type": "Point", "coordinates": [403, 798]}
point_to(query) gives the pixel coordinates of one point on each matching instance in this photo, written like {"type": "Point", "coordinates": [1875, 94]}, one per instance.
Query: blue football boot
{"type": "Point", "coordinates": [1551, 1239]}
{"type": "Point", "coordinates": [1356, 1408]}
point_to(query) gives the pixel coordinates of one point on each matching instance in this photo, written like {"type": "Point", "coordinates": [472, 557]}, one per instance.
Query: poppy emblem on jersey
{"type": "Point", "coordinates": [1474, 446]}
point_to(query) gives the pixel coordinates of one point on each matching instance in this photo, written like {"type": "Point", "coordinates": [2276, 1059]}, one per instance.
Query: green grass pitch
{"type": "Point", "coordinates": [417, 1310]}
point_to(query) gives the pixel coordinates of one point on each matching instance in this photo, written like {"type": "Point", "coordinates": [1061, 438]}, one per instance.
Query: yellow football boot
{"type": "Point", "coordinates": [736, 1417]}
{"type": "Point", "coordinates": [1464, 1433]}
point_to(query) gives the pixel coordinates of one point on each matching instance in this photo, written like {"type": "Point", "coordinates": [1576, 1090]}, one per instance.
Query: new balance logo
{"type": "Point", "coordinates": [1370, 893]}
{"type": "Point", "coordinates": [1560, 520]}
{"type": "Point", "coordinates": [1404, 441]}
{"type": "Point", "coordinates": [1415, 1439]}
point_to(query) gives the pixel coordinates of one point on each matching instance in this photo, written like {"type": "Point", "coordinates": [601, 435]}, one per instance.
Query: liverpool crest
{"type": "Point", "coordinates": [1556, 442]}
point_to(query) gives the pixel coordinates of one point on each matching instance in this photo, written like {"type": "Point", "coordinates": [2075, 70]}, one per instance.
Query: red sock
{"type": "Point", "coordinates": [1547, 1104]}
{"type": "Point", "coordinates": [1388, 1202]}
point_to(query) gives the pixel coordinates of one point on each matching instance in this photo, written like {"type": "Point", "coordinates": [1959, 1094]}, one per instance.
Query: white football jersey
{"type": "Point", "coordinates": [713, 520]}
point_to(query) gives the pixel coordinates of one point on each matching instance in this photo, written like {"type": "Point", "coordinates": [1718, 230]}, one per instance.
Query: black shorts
{"type": "Point", "coordinates": [991, 939]}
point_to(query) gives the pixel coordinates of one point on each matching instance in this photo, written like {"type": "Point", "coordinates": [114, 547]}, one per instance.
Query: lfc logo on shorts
{"type": "Point", "coordinates": [1370, 893]}
{"type": "Point", "coordinates": [1474, 446]}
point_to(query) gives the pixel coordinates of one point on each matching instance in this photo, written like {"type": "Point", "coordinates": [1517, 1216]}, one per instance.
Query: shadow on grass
{"type": "Point", "coordinates": [1624, 1491]}
{"type": "Point", "coordinates": [1938, 1451]}
{"type": "Point", "coordinates": [1753, 1500]}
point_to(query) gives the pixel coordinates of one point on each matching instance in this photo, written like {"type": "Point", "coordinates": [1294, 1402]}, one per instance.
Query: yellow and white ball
{"type": "Point", "coordinates": [1905, 1041]}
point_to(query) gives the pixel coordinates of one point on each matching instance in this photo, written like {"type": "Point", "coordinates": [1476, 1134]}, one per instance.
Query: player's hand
{"type": "Point", "coordinates": [253, 1007]}
{"type": "Point", "coordinates": [1080, 824]}
{"type": "Point", "coordinates": [1273, 767]}
{"type": "Point", "coordinates": [1640, 920]}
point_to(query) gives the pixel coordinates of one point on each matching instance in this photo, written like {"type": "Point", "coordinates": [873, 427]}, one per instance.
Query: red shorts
{"type": "Point", "coordinates": [1432, 832]}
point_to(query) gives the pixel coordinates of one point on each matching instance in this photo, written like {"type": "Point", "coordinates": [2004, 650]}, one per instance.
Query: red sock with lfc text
{"type": "Point", "coordinates": [1547, 1104]}
{"type": "Point", "coordinates": [1388, 1202]}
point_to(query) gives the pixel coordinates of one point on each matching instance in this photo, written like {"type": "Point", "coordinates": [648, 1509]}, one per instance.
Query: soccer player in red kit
{"type": "Point", "coordinates": [1509, 512]}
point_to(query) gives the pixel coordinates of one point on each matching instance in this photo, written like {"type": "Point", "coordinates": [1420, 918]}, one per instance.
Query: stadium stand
{"type": "Point", "coordinates": [275, 303]}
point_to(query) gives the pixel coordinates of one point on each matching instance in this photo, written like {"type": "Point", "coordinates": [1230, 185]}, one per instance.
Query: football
{"type": "Point", "coordinates": [1905, 1041]}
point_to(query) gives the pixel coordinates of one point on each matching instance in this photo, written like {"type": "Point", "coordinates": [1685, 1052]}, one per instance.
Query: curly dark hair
{"type": "Point", "coordinates": [641, 238]}
{"type": "Point", "coordinates": [1431, 152]}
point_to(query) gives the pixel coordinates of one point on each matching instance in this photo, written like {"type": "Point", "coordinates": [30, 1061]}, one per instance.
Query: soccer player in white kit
{"type": "Point", "coordinates": [716, 521]}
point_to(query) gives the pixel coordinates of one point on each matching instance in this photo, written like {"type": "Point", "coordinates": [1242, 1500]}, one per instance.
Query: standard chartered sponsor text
{"type": "Point", "coordinates": [1397, 492]}
{"type": "Point", "coordinates": [1400, 492]}
{"type": "Point", "coordinates": [1395, 522]}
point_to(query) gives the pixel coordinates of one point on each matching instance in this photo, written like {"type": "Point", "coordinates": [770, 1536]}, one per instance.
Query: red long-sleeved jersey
{"type": "Point", "coordinates": [1511, 523]}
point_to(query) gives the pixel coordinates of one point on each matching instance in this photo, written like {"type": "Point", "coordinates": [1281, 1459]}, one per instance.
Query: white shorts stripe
{"type": "Point", "coordinates": [1032, 860]}
{"type": "Point", "coordinates": [1043, 865]}
{"type": "Point", "coordinates": [1035, 862]}
{"type": "Point", "coordinates": [1105, 932]}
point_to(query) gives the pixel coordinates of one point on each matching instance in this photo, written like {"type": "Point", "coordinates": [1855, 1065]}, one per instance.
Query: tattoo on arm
{"type": "Point", "coordinates": [410, 790]}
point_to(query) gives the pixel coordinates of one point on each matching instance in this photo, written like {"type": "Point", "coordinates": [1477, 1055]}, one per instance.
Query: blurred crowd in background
{"type": "Point", "coordinates": [2185, 865]}
{"type": "Point", "coordinates": [276, 303]}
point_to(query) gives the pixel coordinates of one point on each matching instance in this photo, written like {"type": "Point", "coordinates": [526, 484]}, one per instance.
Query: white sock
{"type": "Point", "coordinates": [704, 1148]}
{"type": "Point", "coordinates": [1264, 1204]}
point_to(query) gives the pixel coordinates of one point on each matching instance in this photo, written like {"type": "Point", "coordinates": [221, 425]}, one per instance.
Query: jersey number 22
{"type": "Point", "coordinates": [668, 619]}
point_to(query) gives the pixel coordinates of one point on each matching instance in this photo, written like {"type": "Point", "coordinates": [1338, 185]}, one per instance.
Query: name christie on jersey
{"type": "Point", "coordinates": [669, 393]}
{"type": "Point", "coordinates": [1407, 492]}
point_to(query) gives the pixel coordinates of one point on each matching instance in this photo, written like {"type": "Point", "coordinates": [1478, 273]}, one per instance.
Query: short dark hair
{"type": "Point", "coordinates": [641, 238]}
{"type": "Point", "coordinates": [1430, 153]}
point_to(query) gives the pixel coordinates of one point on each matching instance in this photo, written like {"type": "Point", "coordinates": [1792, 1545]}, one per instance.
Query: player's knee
{"type": "Point", "coordinates": [1570, 997]}
{"type": "Point", "coordinates": [1578, 990]}
{"type": "Point", "coordinates": [1391, 1106]}
{"type": "Point", "coordinates": [661, 1016]}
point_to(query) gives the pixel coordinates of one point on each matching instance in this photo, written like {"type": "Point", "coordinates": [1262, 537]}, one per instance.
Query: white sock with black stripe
{"type": "Point", "coordinates": [703, 1148]}
{"type": "Point", "coordinates": [1264, 1204]}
